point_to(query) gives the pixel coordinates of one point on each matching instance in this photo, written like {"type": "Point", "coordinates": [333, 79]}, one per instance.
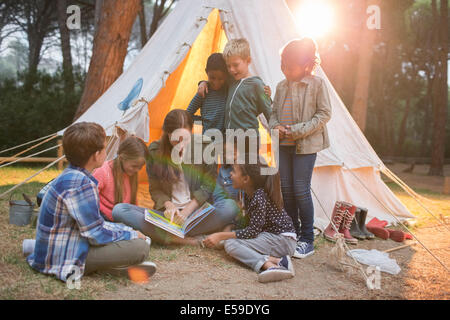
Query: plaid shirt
{"type": "Point", "coordinates": [70, 222]}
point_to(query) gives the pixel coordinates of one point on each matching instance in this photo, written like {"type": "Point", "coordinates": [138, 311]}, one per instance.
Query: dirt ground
{"type": "Point", "coordinates": [195, 273]}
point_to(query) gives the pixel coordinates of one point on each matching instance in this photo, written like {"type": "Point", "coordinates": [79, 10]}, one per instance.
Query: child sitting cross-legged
{"type": "Point", "coordinates": [268, 241]}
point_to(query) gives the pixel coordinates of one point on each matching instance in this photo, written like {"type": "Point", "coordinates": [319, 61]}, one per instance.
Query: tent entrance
{"type": "Point", "coordinates": [182, 84]}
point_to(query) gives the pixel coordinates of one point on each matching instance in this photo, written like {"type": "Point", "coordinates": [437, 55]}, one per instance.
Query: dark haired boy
{"type": "Point", "coordinates": [72, 238]}
{"type": "Point", "coordinates": [212, 106]}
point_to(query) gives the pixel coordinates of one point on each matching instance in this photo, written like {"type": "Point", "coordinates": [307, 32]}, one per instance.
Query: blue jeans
{"type": "Point", "coordinates": [133, 216]}
{"type": "Point", "coordinates": [295, 174]}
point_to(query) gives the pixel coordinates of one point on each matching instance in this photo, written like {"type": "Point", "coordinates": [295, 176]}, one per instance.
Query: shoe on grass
{"type": "Point", "coordinates": [303, 250]}
{"type": "Point", "coordinates": [274, 274]}
{"type": "Point", "coordinates": [28, 247]}
{"type": "Point", "coordinates": [148, 267]}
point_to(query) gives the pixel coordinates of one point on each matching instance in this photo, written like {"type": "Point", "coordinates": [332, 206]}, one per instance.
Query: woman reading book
{"type": "Point", "coordinates": [178, 189]}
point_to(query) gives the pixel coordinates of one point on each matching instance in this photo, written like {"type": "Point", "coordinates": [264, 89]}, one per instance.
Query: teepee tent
{"type": "Point", "coordinates": [165, 75]}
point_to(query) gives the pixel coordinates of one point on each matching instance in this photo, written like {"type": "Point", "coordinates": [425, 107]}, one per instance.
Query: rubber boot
{"type": "Point", "coordinates": [347, 222]}
{"type": "Point", "coordinates": [362, 223]}
{"type": "Point", "coordinates": [355, 231]}
{"type": "Point", "coordinates": [338, 215]}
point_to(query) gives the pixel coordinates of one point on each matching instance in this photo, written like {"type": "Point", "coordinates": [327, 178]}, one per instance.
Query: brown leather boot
{"type": "Point", "coordinates": [347, 222]}
{"type": "Point", "coordinates": [338, 215]}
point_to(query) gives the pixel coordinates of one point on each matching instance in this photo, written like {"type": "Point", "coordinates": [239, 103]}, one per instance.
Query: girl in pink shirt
{"type": "Point", "coordinates": [118, 178]}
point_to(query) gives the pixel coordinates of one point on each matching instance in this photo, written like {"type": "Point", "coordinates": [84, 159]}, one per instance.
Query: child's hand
{"type": "Point", "coordinates": [281, 132]}
{"type": "Point", "coordinates": [288, 133]}
{"type": "Point", "coordinates": [267, 91]}
{"type": "Point", "coordinates": [171, 211]}
{"type": "Point", "coordinates": [202, 89]}
{"type": "Point", "coordinates": [212, 240]}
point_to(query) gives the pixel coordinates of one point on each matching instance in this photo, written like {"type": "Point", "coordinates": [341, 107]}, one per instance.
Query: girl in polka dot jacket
{"type": "Point", "coordinates": [269, 240]}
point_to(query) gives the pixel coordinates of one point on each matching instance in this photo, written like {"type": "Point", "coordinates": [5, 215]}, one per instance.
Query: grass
{"type": "Point", "coordinates": [19, 281]}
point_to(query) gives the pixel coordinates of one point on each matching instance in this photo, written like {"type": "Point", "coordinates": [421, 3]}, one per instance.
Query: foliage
{"type": "Point", "coordinates": [26, 114]}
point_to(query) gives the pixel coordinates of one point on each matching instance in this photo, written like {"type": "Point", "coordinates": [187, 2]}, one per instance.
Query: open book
{"type": "Point", "coordinates": [157, 218]}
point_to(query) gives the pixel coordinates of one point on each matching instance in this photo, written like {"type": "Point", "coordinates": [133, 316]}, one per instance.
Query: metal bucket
{"type": "Point", "coordinates": [20, 211]}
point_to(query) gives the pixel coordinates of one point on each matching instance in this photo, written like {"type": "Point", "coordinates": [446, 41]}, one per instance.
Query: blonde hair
{"type": "Point", "coordinates": [237, 47]}
{"type": "Point", "coordinates": [132, 148]}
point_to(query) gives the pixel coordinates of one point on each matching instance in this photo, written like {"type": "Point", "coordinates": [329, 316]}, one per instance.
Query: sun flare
{"type": "Point", "coordinates": [314, 18]}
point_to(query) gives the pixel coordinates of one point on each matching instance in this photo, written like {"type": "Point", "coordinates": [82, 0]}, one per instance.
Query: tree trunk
{"type": "Point", "coordinates": [38, 17]}
{"type": "Point", "coordinates": [110, 49]}
{"type": "Point", "coordinates": [143, 25]}
{"type": "Point", "coordinates": [158, 8]}
{"type": "Point", "coordinates": [440, 90]}
{"type": "Point", "coordinates": [359, 106]}
{"type": "Point", "coordinates": [97, 14]}
{"type": "Point", "coordinates": [402, 130]}
{"type": "Point", "coordinates": [65, 47]}
{"type": "Point", "coordinates": [159, 12]}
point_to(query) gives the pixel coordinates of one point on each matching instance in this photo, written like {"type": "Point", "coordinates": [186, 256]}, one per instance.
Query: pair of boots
{"type": "Point", "coordinates": [358, 227]}
{"type": "Point", "coordinates": [343, 214]}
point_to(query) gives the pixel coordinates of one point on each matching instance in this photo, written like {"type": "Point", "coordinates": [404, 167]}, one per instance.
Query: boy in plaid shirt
{"type": "Point", "coordinates": [72, 238]}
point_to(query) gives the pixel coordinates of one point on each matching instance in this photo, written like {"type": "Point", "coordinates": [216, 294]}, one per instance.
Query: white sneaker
{"type": "Point", "coordinates": [286, 263]}
{"type": "Point", "coordinates": [147, 266]}
{"type": "Point", "coordinates": [274, 274]}
{"type": "Point", "coordinates": [28, 247]}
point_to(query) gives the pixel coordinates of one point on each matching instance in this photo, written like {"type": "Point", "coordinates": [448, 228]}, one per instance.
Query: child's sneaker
{"type": "Point", "coordinates": [28, 247]}
{"type": "Point", "coordinates": [148, 267]}
{"type": "Point", "coordinates": [286, 263]}
{"type": "Point", "coordinates": [275, 274]}
{"type": "Point", "coordinates": [303, 250]}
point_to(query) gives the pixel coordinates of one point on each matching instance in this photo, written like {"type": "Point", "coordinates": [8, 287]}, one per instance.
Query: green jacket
{"type": "Point", "coordinates": [246, 100]}
{"type": "Point", "coordinates": [200, 177]}
{"type": "Point", "coordinates": [311, 108]}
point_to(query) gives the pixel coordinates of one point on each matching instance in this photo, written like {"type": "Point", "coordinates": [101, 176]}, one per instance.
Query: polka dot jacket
{"type": "Point", "coordinates": [264, 216]}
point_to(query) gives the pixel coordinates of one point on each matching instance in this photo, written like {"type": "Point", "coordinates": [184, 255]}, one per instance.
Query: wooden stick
{"type": "Point", "coordinates": [400, 247]}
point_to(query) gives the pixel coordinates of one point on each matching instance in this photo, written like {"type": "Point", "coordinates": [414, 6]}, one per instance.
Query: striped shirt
{"type": "Point", "coordinates": [287, 118]}
{"type": "Point", "coordinates": [212, 108]}
{"type": "Point", "coordinates": [69, 223]}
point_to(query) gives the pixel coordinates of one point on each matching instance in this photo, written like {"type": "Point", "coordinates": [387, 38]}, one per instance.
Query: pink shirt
{"type": "Point", "coordinates": [105, 178]}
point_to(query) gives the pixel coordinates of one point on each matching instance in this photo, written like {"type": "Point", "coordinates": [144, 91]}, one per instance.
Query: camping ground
{"type": "Point", "coordinates": [195, 273]}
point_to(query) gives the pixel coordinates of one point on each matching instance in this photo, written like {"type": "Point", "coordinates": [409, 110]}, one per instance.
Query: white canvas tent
{"type": "Point", "coordinates": [165, 74]}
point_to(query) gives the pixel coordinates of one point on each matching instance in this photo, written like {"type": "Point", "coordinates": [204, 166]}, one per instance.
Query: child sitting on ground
{"type": "Point", "coordinates": [118, 178]}
{"type": "Point", "coordinates": [72, 238]}
{"type": "Point", "coordinates": [269, 240]}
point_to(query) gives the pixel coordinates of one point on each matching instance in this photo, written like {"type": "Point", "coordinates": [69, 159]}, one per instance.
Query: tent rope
{"type": "Point", "coordinates": [393, 215]}
{"type": "Point", "coordinates": [31, 177]}
{"type": "Point", "coordinates": [341, 242]}
{"type": "Point", "coordinates": [26, 143]}
{"type": "Point", "coordinates": [32, 155]}
{"type": "Point", "coordinates": [32, 147]}
{"type": "Point", "coordinates": [388, 174]}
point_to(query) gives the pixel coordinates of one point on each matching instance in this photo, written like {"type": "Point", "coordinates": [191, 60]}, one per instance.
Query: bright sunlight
{"type": "Point", "coordinates": [314, 18]}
